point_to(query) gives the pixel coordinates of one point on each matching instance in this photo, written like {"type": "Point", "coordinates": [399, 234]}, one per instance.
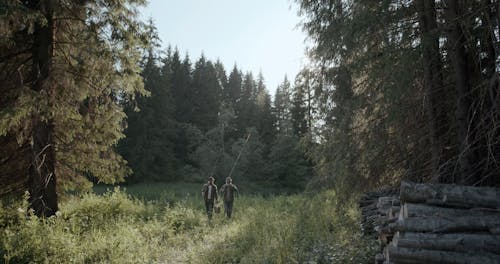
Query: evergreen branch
{"type": "Point", "coordinates": [15, 54]}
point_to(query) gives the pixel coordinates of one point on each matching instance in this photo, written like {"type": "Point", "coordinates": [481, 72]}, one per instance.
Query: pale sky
{"type": "Point", "coordinates": [254, 34]}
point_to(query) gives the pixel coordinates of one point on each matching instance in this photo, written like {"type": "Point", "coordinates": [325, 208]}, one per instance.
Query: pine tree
{"type": "Point", "coordinates": [65, 97]}
{"type": "Point", "coordinates": [150, 135]}
{"type": "Point", "coordinates": [298, 111]}
{"type": "Point", "coordinates": [232, 93]}
{"type": "Point", "coordinates": [289, 169]}
{"type": "Point", "coordinates": [222, 78]}
{"type": "Point", "coordinates": [231, 97]}
{"type": "Point", "coordinates": [282, 106]}
{"type": "Point", "coordinates": [400, 81]}
{"type": "Point", "coordinates": [205, 100]}
{"type": "Point", "coordinates": [265, 118]}
{"type": "Point", "coordinates": [245, 107]}
{"type": "Point", "coordinates": [181, 87]}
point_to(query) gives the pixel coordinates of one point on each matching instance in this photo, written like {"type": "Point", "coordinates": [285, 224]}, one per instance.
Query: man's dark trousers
{"type": "Point", "coordinates": [228, 208]}
{"type": "Point", "coordinates": [209, 205]}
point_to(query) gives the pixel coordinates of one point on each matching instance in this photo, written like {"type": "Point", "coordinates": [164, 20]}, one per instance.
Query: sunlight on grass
{"type": "Point", "coordinates": [123, 226]}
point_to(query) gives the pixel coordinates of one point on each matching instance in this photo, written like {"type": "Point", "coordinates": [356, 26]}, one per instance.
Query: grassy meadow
{"type": "Point", "coordinates": [165, 223]}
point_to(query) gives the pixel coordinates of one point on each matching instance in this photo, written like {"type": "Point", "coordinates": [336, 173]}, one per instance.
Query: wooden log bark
{"type": "Point", "coordinates": [422, 210]}
{"type": "Point", "coordinates": [370, 207]}
{"type": "Point", "coordinates": [450, 195]}
{"type": "Point", "coordinates": [379, 258]}
{"type": "Point", "coordinates": [394, 211]}
{"type": "Point", "coordinates": [412, 255]}
{"type": "Point", "coordinates": [385, 200]}
{"type": "Point", "coordinates": [433, 224]}
{"type": "Point", "coordinates": [384, 203]}
{"type": "Point", "coordinates": [472, 243]}
{"type": "Point", "coordinates": [363, 203]}
{"type": "Point", "coordinates": [385, 220]}
{"type": "Point", "coordinates": [388, 229]}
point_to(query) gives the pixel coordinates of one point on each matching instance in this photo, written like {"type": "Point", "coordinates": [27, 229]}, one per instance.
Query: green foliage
{"type": "Point", "coordinates": [289, 166]}
{"type": "Point", "coordinates": [196, 122]}
{"type": "Point", "coordinates": [205, 97]}
{"type": "Point", "coordinates": [92, 210]}
{"type": "Point", "coordinates": [75, 96]}
{"type": "Point", "coordinates": [291, 229]}
{"type": "Point", "coordinates": [108, 228]}
{"type": "Point", "coordinates": [151, 131]}
{"type": "Point", "coordinates": [370, 85]}
{"type": "Point", "coordinates": [393, 99]}
{"type": "Point", "coordinates": [180, 219]}
{"type": "Point", "coordinates": [115, 227]}
{"type": "Point", "coordinates": [283, 106]}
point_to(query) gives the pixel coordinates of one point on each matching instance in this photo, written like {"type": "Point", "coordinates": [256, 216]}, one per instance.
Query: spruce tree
{"type": "Point", "coordinates": [246, 108]}
{"type": "Point", "coordinates": [282, 107]}
{"type": "Point", "coordinates": [298, 111]}
{"type": "Point", "coordinates": [205, 99]}
{"type": "Point", "coordinates": [265, 117]}
{"type": "Point", "coordinates": [150, 134]}
{"type": "Point", "coordinates": [404, 91]}
{"type": "Point", "coordinates": [181, 86]}
{"type": "Point", "coordinates": [232, 93]}
{"type": "Point", "coordinates": [65, 90]}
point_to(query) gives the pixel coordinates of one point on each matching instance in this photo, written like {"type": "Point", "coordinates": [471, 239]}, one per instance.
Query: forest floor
{"type": "Point", "coordinates": [165, 223]}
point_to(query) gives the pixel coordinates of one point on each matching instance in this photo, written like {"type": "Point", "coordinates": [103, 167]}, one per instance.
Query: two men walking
{"type": "Point", "coordinates": [210, 196]}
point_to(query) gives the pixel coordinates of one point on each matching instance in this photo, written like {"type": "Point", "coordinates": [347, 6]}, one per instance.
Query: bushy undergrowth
{"type": "Point", "coordinates": [108, 228]}
{"type": "Point", "coordinates": [115, 227]}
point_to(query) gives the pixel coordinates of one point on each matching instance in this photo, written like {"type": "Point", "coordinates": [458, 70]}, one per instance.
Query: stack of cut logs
{"type": "Point", "coordinates": [441, 224]}
{"type": "Point", "coordinates": [388, 208]}
{"type": "Point", "coordinates": [370, 212]}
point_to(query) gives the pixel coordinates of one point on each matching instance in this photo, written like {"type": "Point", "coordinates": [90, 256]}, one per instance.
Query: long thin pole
{"type": "Point", "coordinates": [239, 154]}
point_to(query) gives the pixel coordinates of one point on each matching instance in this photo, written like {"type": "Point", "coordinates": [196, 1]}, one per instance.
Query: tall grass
{"type": "Point", "coordinates": [160, 224]}
{"type": "Point", "coordinates": [288, 229]}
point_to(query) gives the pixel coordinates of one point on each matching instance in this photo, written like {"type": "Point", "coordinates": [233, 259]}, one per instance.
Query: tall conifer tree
{"type": "Point", "coordinates": [66, 96]}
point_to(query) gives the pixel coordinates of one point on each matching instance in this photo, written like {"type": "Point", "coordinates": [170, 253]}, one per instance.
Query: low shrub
{"type": "Point", "coordinates": [117, 228]}
{"type": "Point", "coordinates": [108, 228]}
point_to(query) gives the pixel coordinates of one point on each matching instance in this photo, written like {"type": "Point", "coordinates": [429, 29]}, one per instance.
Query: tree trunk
{"type": "Point", "coordinates": [423, 210]}
{"type": "Point", "coordinates": [42, 178]}
{"type": "Point", "coordinates": [450, 195]}
{"type": "Point", "coordinates": [472, 243]}
{"type": "Point", "coordinates": [432, 224]}
{"type": "Point", "coordinates": [433, 84]}
{"type": "Point", "coordinates": [410, 255]}
{"type": "Point", "coordinates": [458, 58]}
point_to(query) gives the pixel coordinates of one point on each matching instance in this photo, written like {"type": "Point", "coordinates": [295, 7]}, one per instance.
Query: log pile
{"type": "Point", "coordinates": [443, 224]}
{"type": "Point", "coordinates": [370, 213]}
{"type": "Point", "coordinates": [388, 211]}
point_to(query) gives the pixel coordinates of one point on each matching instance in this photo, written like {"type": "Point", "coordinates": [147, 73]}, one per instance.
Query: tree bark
{"type": "Point", "coordinates": [432, 224]}
{"type": "Point", "coordinates": [423, 210]}
{"type": "Point", "coordinates": [472, 243]}
{"type": "Point", "coordinates": [394, 211]}
{"type": "Point", "coordinates": [411, 255]}
{"type": "Point", "coordinates": [42, 177]}
{"type": "Point", "coordinates": [433, 84]}
{"type": "Point", "coordinates": [450, 195]}
{"type": "Point", "coordinates": [458, 57]}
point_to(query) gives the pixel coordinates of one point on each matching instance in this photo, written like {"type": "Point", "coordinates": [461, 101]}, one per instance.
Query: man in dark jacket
{"type": "Point", "coordinates": [228, 191]}
{"type": "Point", "coordinates": [209, 194]}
